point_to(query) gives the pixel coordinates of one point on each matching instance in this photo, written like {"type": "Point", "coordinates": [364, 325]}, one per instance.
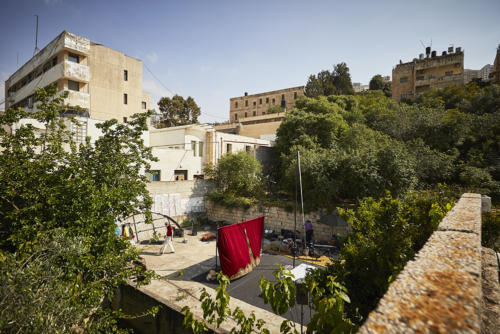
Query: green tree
{"type": "Point", "coordinates": [327, 83]}
{"type": "Point", "coordinates": [57, 210]}
{"type": "Point", "coordinates": [378, 83]}
{"type": "Point", "coordinates": [274, 109]}
{"type": "Point", "coordinates": [178, 111]}
{"type": "Point", "coordinates": [237, 174]}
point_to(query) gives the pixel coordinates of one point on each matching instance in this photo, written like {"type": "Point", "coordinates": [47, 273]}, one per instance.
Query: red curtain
{"type": "Point", "coordinates": [234, 250]}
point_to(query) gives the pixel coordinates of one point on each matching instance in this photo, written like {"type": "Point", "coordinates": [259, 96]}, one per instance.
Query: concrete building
{"type": "Point", "coordinates": [359, 87]}
{"type": "Point", "coordinates": [184, 150]}
{"type": "Point", "coordinates": [104, 82]}
{"type": "Point", "coordinates": [426, 72]}
{"type": "Point", "coordinates": [482, 74]}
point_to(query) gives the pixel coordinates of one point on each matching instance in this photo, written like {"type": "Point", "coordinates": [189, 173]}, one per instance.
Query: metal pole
{"type": "Point", "coordinates": [135, 228]}
{"type": "Point", "coordinates": [301, 318]}
{"type": "Point", "coordinates": [294, 244]}
{"type": "Point", "coordinates": [216, 240]}
{"type": "Point", "coordinates": [301, 195]}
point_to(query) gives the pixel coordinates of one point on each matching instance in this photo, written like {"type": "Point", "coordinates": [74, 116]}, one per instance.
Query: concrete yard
{"type": "Point", "coordinates": [193, 260]}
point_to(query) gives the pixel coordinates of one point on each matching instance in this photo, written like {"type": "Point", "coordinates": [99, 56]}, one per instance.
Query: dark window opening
{"type": "Point", "coordinates": [125, 75]}
{"type": "Point", "coordinates": [125, 99]}
{"type": "Point", "coordinates": [254, 112]}
{"type": "Point", "coordinates": [260, 101]}
{"type": "Point", "coordinates": [295, 95]}
{"type": "Point", "coordinates": [254, 103]}
{"type": "Point", "coordinates": [246, 103]}
{"type": "Point", "coordinates": [73, 58]}
{"type": "Point", "coordinates": [73, 85]}
{"type": "Point", "coordinates": [236, 104]}
{"type": "Point", "coordinates": [403, 79]}
{"type": "Point", "coordinates": [180, 175]}
{"type": "Point", "coordinates": [267, 100]}
{"type": "Point", "coordinates": [124, 119]}
{"type": "Point", "coordinates": [143, 104]}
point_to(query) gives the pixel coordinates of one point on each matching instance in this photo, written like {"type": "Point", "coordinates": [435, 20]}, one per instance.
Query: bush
{"type": "Point", "coordinates": [235, 176]}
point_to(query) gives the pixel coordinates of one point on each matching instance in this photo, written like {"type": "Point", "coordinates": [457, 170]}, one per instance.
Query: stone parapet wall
{"type": "Point", "coordinates": [440, 290]}
{"type": "Point", "coordinates": [276, 219]}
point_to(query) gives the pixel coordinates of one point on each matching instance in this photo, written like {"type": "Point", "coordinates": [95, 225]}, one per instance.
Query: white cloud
{"type": "Point", "coordinates": [152, 57]}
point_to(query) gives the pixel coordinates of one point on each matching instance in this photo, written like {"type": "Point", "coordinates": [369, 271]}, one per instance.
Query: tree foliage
{"type": "Point", "coordinates": [57, 210]}
{"type": "Point", "coordinates": [378, 83]}
{"type": "Point", "coordinates": [336, 82]}
{"type": "Point", "coordinates": [237, 174]}
{"type": "Point", "coordinates": [178, 111]}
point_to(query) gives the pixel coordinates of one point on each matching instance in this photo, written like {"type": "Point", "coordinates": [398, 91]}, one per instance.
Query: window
{"type": "Point", "coordinates": [295, 95]}
{"type": "Point", "coordinates": [30, 101]}
{"type": "Point", "coordinates": [246, 103]}
{"type": "Point", "coordinates": [248, 148]}
{"type": "Point", "coordinates": [403, 79]}
{"type": "Point", "coordinates": [236, 104]}
{"type": "Point", "coordinates": [254, 103]}
{"type": "Point", "coordinates": [73, 85]}
{"type": "Point", "coordinates": [73, 58]}
{"type": "Point", "coordinates": [260, 101]}
{"type": "Point", "coordinates": [125, 75]}
{"type": "Point", "coordinates": [125, 98]}
{"type": "Point", "coordinates": [143, 104]}
{"type": "Point", "coordinates": [235, 117]}
{"type": "Point", "coordinates": [229, 148]}
{"type": "Point", "coordinates": [154, 175]}
{"type": "Point", "coordinates": [431, 76]}
{"type": "Point", "coordinates": [124, 119]}
{"type": "Point", "coordinates": [420, 78]}
{"type": "Point", "coordinates": [200, 149]}
{"type": "Point", "coordinates": [246, 114]}
{"type": "Point", "coordinates": [274, 100]}
{"type": "Point", "coordinates": [267, 100]}
{"type": "Point", "coordinates": [403, 96]}
{"type": "Point", "coordinates": [449, 73]}
{"type": "Point", "coordinates": [180, 175]}
{"type": "Point", "coordinates": [193, 147]}
{"type": "Point", "coordinates": [282, 96]}
{"type": "Point", "coordinates": [254, 112]}
{"type": "Point", "coordinates": [54, 61]}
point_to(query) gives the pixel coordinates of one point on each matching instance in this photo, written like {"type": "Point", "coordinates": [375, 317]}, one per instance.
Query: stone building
{"type": "Point", "coordinates": [258, 104]}
{"type": "Point", "coordinates": [248, 114]}
{"type": "Point", "coordinates": [496, 66]}
{"type": "Point", "coordinates": [104, 82]}
{"type": "Point", "coordinates": [431, 71]}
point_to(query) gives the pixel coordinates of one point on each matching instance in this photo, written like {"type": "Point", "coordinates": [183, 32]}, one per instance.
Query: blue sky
{"type": "Point", "coordinates": [213, 50]}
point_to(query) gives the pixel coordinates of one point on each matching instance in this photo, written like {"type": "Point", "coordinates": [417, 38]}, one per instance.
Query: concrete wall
{"type": "Point", "coordinates": [276, 219]}
{"type": "Point", "coordinates": [133, 301]}
{"type": "Point", "coordinates": [107, 84]}
{"type": "Point", "coordinates": [191, 193]}
{"type": "Point", "coordinates": [440, 290]}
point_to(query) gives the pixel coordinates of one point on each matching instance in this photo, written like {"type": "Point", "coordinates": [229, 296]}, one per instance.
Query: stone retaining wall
{"type": "Point", "coordinates": [276, 219]}
{"type": "Point", "coordinates": [440, 290]}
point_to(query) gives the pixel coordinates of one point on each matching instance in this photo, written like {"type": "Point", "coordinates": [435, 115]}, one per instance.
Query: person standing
{"type": "Point", "coordinates": [309, 231]}
{"type": "Point", "coordinates": [168, 239]}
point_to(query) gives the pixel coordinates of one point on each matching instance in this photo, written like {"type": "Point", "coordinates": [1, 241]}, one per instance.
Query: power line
{"type": "Point", "coordinates": [171, 92]}
{"type": "Point", "coordinates": [161, 83]}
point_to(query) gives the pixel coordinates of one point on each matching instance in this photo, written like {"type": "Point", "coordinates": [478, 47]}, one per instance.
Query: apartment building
{"type": "Point", "coordinates": [105, 83]}
{"type": "Point", "coordinates": [426, 72]}
{"type": "Point", "coordinates": [182, 151]}
{"type": "Point", "coordinates": [495, 74]}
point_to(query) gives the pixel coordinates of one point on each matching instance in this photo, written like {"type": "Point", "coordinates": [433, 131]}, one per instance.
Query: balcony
{"type": "Point", "coordinates": [75, 71]}
{"type": "Point", "coordinates": [80, 99]}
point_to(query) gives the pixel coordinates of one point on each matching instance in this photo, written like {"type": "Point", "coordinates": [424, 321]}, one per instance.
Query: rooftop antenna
{"type": "Point", "coordinates": [422, 44]}
{"type": "Point", "coordinates": [36, 37]}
